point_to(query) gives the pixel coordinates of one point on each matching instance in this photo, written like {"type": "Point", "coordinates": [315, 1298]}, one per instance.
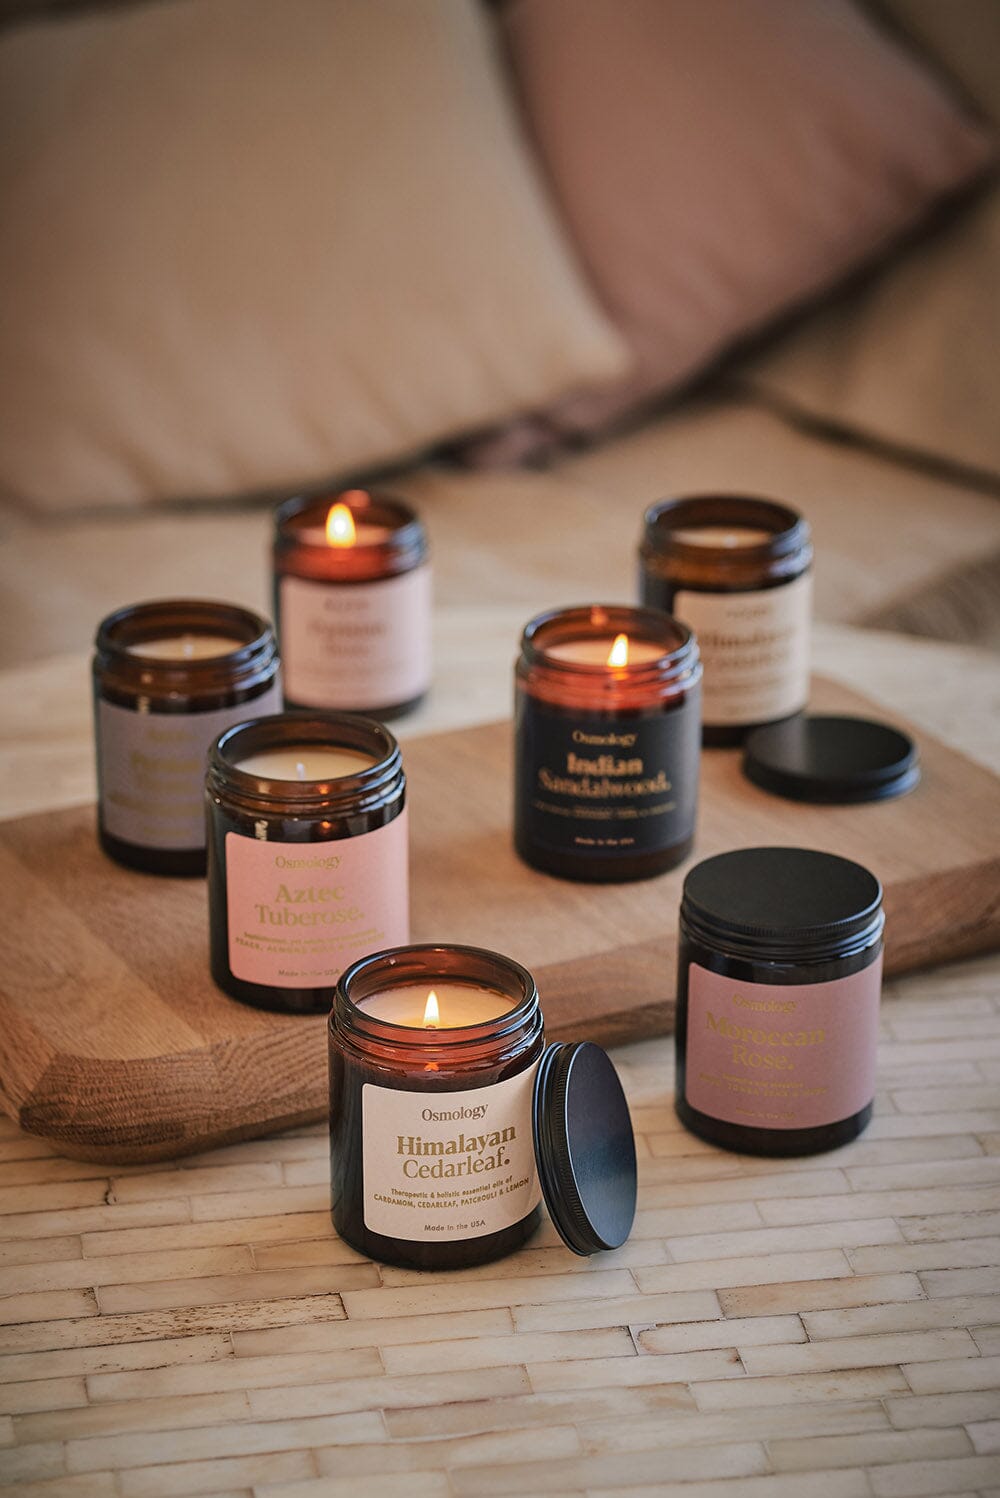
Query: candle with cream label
{"type": "Point", "coordinates": [739, 572]}
{"type": "Point", "coordinates": [307, 865]}
{"type": "Point", "coordinates": [168, 677]}
{"type": "Point", "coordinates": [433, 1053]}
{"type": "Point", "coordinates": [607, 734]}
{"type": "Point", "coordinates": [450, 1118]}
{"type": "Point", "coordinates": [352, 594]}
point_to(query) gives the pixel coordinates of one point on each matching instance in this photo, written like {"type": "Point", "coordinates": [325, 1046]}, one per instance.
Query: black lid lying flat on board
{"type": "Point", "coordinates": [833, 759]}
{"type": "Point", "coordinates": [584, 1147]}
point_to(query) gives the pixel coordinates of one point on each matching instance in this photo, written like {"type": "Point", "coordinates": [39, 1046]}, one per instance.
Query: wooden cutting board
{"type": "Point", "coordinates": [116, 1045]}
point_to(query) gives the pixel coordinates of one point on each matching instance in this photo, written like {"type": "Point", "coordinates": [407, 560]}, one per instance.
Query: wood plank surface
{"type": "Point", "coordinates": [115, 1044]}
{"type": "Point", "coordinates": [826, 1327]}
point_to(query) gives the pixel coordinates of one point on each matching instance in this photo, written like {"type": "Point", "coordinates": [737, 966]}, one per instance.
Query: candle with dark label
{"type": "Point", "coordinates": [607, 736]}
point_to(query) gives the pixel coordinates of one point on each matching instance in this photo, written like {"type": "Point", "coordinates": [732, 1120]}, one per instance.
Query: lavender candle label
{"type": "Point", "coordinates": [781, 1056]}
{"type": "Point", "coordinates": [151, 769]}
{"type": "Point", "coordinates": [443, 1166]}
{"type": "Point", "coordinates": [607, 786]}
{"type": "Point", "coordinates": [356, 645]}
{"type": "Point", "coordinates": [755, 650]}
{"type": "Point", "coordinates": [299, 913]}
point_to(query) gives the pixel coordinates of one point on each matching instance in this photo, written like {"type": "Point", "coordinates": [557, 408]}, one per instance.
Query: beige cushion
{"type": "Point", "coordinates": [910, 359]}
{"type": "Point", "coordinates": [722, 161]}
{"type": "Point", "coordinates": [247, 245]}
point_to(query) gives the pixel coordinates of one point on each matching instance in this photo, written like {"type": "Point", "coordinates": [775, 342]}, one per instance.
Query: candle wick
{"type": "Point", "coordinates": [300, 769]}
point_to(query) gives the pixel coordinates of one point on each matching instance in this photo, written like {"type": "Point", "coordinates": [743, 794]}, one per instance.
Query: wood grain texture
{"type": "Point", "coordinates": [116, 1045]}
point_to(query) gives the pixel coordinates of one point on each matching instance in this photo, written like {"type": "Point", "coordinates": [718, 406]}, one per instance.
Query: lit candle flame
{"type": "Point", "coordinates": [300, 770]}
{"type": "Point", "coordinates": [432, 1014]}
{"type": "Point", "coordinates": [340, 529]}
{"type": "Point", "coordinates": [619, 651]}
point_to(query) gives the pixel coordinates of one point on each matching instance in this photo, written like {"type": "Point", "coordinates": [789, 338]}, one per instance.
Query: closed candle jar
{"type": "Point", "coordinates": [167, 678]}
{"type": "Point", "coordinates": [778, 988]}
{"type": "Point", "coordinates": [307, 855]}
{"type": "Point", "coordinates": [739, 572]}
{"type": "Point", "coordinates": [607, 737]}
{"type": "Point", "coordinates": [433, 1055]}
{"type": "Point", "coordinates": [352, 599]}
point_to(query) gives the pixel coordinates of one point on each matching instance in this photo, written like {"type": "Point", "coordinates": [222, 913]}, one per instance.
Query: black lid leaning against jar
{"type": "Point", "coordinates": [783, 904]}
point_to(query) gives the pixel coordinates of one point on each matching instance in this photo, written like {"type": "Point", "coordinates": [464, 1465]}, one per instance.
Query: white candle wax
{"type": "Point", "coordinates": [729, 536]}
{"type": "Point", "coordinates": [305, 762]}
{"type": "Point", "coordinates": [595, 651]}
{"type": "Point", "coordinates": [365, 534]}
{"type": "Point", "coordinates": [458, 1004]}
{"type": "Point", "coordinates": [186, 647]}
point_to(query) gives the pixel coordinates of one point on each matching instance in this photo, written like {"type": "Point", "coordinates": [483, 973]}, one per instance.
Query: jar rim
{"type": "Point", "coordinates": [408, 964]}
{"type": "Point", "coordinates": [583, 621]}
{"type": "Point", "coordinates": [130, 625]}
{"type": "Point", "coordinates": [373, 506]}
{"type": "Point", "coordinates": [339, 730]}
{"type": "Point", "coordinates": [788, 529]}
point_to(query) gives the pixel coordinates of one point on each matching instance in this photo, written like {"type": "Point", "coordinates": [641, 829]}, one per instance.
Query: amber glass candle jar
{"type": "Point", "coordinates": [778, 987]}
{"type": "Point", "coordinates": [739, 572]}
{"type": "Point", "coordinates": [433, 1055]}
{"type": "Point", "coordinates": [168, 677]}
{"type": "Point", "coordinates": [307, 855]}
{"type": "Point", "coordinates": [352, 600]}
{"type": "Point", "coordinates": [607, 735]}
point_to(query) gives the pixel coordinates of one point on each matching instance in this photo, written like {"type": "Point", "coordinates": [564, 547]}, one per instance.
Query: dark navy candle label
{"type": "Point", "coordinates": [607, 786]}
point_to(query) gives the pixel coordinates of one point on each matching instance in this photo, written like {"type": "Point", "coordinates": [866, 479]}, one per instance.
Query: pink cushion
{"type": "Point", "coordinates": [719, 161]}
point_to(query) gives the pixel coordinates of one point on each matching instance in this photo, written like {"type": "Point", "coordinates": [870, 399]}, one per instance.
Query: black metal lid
{"type": "Point", "coordinates": [834, 759]}
{"type": "Point", "coordinates": [783, 902]}
{"type": "Point", "coordinates": [584, 1147]}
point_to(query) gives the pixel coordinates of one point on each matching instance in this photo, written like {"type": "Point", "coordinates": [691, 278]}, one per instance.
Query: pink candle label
{"type": "Point", "coordinates": [151, 769]}
{"type": "Point", "coordinates": [299, 913]}
{"type": "Point", "coordinates": [443, 1166]}
{"type": "Point", "coordinates": [781, 1056]}
{"type": "Point", "coordinates": [356, 645]}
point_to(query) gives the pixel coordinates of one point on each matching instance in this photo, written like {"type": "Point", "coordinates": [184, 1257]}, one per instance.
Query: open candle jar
{"type": "Point", "coordinates": [449, 1117]}
{"type": "Point", "coordinates": [168, 678]}
{"type": "Point", "coordinates": [352, 598]}
{"type": "Point", "coordinates": [739, 572]}
{"type": "Point", "coordinates": [607, 740]}
{"type": "Point", "coordinates": [307, 855]}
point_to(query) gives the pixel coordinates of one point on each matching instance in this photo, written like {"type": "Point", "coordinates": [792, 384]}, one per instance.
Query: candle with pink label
{"type": "Point", "coordinates": [352, 592]}
{"type": "Point", "coordinates": [307, 855]}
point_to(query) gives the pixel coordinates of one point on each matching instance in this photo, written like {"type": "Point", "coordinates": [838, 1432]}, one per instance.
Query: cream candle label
{"type": "Point", "coordinates": [448, 1165]}
{"type": "Point", "coordinates": [608, 786]}
{"type": "Point", "coordinates": [781, 1056]}
{"type": "Point", "coordinates": [299, 913]}
{"type": "Point", "coordinates": [755, 650]}
{"type": "Point", "coordinates": [151, 769]}
{"type": "Point", "coordinates": [356, 645]}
